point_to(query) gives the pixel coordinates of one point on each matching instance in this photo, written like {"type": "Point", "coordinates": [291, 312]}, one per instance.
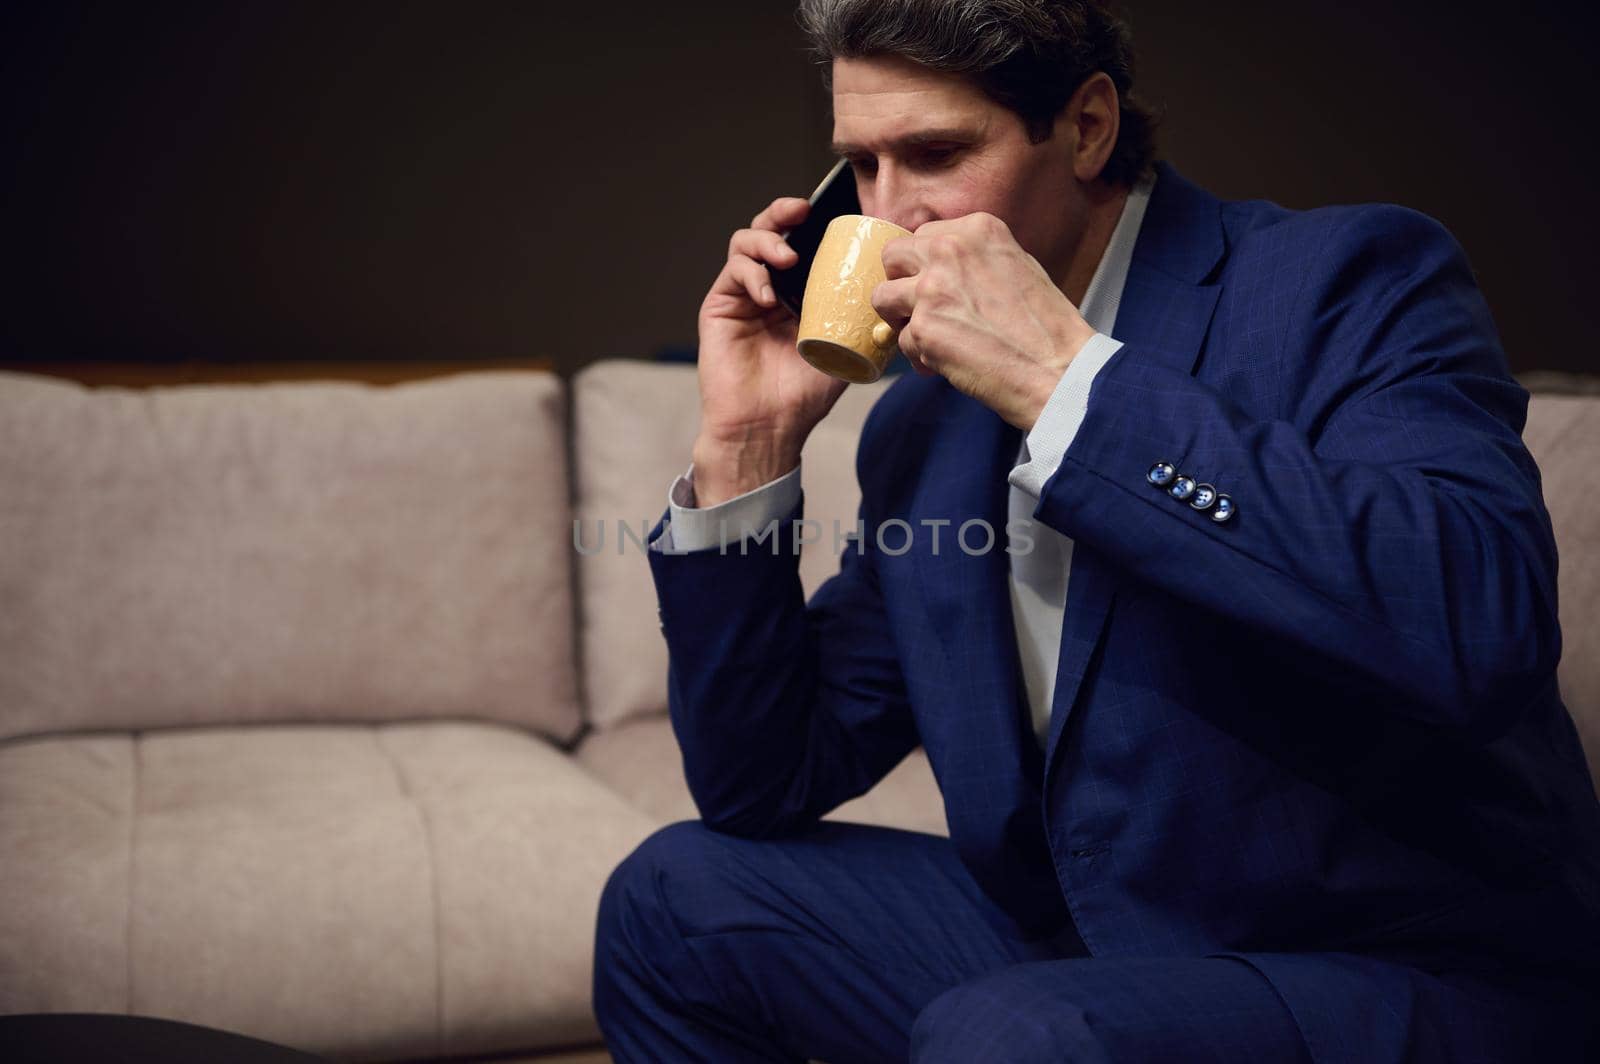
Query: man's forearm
{"type": "Point", "coordinates": [782, 709]}
{"type": "Point", "coordinates": [726, 468]}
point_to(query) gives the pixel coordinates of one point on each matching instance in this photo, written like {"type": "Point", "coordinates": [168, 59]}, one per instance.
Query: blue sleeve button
{"type": "Point", "coordinates": [1224, 509]}
{"type": "Point", "coordinates": [1204, 496]}
{"type": "Point", "coordinates": [1161, 474]}
{"type": "Point", "coordinates": [1183, 487]}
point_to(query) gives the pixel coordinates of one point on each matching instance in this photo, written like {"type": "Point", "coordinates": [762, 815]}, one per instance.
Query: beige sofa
{"type": "Point", "coordinates": [294, 736]}
{"type": "Point", "coordinates": [316, 724]}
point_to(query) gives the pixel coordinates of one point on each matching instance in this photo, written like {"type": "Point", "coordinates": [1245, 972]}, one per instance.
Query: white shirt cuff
{"type": "Point", "coordinates": [691, 528]}
{"type": "Point", "coordinates": [1063, 413]}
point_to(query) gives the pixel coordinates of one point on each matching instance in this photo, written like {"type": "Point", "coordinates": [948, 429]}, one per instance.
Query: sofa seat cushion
{"type": "Point", "coordinates": [367, 892]}
{"type": "Point", "coordinates": [640, 760]}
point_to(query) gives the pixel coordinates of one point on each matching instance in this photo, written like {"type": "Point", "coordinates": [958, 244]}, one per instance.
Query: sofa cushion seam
{"type": "Point", "coordinates": [433, 884]}
{"type": "Point", "coordinates": [135, 803]}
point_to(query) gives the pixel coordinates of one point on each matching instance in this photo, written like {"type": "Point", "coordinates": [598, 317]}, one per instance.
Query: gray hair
{"type": "Point", "coordinates": [1029, 56]}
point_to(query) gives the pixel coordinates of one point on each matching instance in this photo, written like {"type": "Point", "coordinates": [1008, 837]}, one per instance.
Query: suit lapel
{"type": "Point", "coordinates": [967, 597]}
{"type": "Point", "coordinates": [1163, 319]}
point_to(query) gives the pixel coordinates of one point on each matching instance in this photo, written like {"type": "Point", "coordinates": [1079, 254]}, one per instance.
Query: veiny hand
{"type": "Point", "coordinates": [759, 399]}
{"type": "Point", "coordinates": [974, 307]}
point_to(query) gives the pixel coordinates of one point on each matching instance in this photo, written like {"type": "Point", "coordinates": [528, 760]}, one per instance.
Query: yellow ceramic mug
{"type": "Point", "coordinates": [840, 333]}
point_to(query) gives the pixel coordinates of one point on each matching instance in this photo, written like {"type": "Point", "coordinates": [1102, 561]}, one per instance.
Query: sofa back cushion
{"type": "Point", "coordinates": [298, 551]}
{"type": "Point", "coordinates": [634, 426]}
{"type": "Point", "coordinates": [1563, 434]}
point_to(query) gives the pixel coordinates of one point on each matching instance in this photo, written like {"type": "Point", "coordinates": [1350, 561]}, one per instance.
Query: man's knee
{"type": "Point", "coordinates": [635, 893]}
{"type": "Point", "coordinates": [639, 950]}
{"type": "Point", "coordinates": [990, 1018]}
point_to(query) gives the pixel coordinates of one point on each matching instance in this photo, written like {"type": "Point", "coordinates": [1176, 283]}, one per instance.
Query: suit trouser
{"type": "Point", "coordinates": [854, 943]}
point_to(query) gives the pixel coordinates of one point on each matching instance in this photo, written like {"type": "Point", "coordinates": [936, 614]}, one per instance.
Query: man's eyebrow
{"type": "Point", "coordinates": [910, 140]}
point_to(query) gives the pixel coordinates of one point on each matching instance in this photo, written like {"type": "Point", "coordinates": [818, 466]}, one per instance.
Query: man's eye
{"type": "Point", "coordinates": [937, 156]}
{"type": "Point", "coordinates": [864, 166]}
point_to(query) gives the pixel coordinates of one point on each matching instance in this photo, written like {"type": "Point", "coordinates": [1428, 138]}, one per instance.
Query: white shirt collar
{"type": "Point", "coordinates": [1104, 296]}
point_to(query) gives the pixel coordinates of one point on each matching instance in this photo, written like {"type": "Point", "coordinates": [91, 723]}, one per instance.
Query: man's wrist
{"type": "Point", "coordinates": [1046, 378]}
{"type": "Point", "coordinates": [725, 469]}
{"type": "Point", "coordinates": [1059, 421]}
{"type": "Point", "coordinates": [1042, 386]}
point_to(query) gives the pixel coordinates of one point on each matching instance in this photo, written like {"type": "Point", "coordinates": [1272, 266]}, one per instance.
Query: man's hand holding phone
{"type": "Point", "coordinates": [759, 399]}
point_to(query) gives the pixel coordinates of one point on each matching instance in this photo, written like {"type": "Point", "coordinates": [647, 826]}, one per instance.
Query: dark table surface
{"type": "Point", "coordinates": [95, 1037]}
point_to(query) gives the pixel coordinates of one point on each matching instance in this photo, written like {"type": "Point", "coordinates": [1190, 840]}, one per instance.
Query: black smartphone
{"type": "Point", "coordinates": [836, 195]}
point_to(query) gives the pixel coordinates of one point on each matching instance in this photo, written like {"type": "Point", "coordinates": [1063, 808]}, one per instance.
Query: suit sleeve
{"type": "Point", "coordinates": [782, 709]}
{"type": "Point", "coordinates": [1389, 522]}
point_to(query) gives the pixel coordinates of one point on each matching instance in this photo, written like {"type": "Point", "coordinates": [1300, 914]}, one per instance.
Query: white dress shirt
{"type": "Point", "coordinates": [1038, 578]}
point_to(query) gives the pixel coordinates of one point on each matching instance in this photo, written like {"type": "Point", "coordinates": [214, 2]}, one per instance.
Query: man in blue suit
{"type": "Point", "coordinates": [1248, 732]}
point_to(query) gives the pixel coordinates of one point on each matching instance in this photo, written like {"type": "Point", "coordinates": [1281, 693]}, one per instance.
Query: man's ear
{"type": "Point", "coordinates": [1089, 123]}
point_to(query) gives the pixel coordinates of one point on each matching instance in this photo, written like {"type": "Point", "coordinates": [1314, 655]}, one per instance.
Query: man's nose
{"type": "Point", "coordinates": [889, 198]}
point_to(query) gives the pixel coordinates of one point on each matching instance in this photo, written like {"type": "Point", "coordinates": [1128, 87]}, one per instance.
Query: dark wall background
{"type": "Point", "coordinates": [397, 180]}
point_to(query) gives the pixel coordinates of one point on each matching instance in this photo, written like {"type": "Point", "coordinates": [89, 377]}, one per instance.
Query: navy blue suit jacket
{"type": "Point", "coordinates": [1329, 724]}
